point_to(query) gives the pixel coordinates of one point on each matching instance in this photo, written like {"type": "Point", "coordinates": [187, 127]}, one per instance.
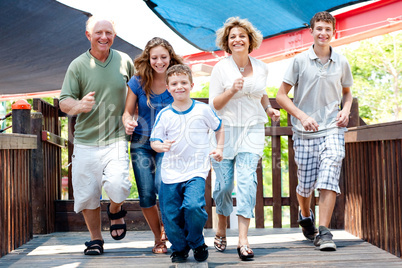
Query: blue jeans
{"type": "Point", "coordinates": [183, 214]}
{"type": "Point", "coordinates": [147, 169]}
{"type": "Point", "coordinates": [246, 166]}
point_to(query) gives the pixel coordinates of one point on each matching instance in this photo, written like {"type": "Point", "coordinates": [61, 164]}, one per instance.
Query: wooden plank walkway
{"type": "Point", "coordinates": [272, 248]}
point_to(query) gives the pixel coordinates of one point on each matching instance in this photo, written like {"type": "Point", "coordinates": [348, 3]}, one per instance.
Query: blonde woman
{"type": "Point", "coordinates": [237, 93]}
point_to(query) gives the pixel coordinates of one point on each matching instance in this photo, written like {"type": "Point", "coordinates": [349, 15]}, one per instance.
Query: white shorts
{"type": "Point", "coordinates": [97, 166]}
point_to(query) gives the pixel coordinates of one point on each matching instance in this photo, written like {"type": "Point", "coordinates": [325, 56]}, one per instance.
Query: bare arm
{"type": "Point", "coordinates": [283, 100]}
{"type": "Point", "coordinates": [217, 154]}
{"type": "Point", "coordinates": [161, 147]}
{"type": "Point", "coordinates": [73, 107]}
{"type": "Point", "coordinates": [271, 112]}
{"type": "Point", "coordinates": [129, 110]}
{"type": "Point", "coordinates": [343, 115]}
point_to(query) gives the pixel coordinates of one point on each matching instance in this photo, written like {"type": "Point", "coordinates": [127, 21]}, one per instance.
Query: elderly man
{"type": "Point", "coordinates": [94, 89]}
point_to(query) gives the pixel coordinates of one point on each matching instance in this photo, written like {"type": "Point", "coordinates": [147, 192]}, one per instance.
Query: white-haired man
{"type": "Point", "coordinates": [95, 89]}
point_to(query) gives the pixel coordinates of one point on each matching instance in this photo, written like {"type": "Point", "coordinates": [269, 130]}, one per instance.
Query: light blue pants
{"type": "Point", "coordinates": [246, 166]}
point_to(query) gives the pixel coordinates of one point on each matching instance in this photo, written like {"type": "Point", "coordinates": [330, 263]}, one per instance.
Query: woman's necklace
{"type": "Point", "coordinates": [241, 69]}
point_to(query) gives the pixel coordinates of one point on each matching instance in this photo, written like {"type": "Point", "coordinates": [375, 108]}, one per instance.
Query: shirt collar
{"type": "Point", "coordinates": [313, 56]}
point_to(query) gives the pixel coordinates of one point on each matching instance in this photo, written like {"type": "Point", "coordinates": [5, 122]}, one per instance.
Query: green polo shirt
{"type": "Point", "coordinates": [103, 125]}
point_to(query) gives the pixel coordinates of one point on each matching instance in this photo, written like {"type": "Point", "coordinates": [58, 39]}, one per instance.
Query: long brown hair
{"type": "Point", "coordinates": [144, 69]}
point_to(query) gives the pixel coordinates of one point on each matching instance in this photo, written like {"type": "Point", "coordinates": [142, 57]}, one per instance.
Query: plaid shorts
{"type": "Point", "coordinates": [319, 162]}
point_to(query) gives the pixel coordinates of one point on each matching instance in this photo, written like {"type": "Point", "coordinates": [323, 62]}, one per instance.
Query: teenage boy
{"type": "Point", "coordinates": [181, 132]}
{"type": "Point", "coordinates": [319, 77]}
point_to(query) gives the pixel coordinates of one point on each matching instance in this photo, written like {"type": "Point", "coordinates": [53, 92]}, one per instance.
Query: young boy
{"type": "Point", "coordinates": [320, 77]}
{"type": "Point", "coordinates": [181, 132]}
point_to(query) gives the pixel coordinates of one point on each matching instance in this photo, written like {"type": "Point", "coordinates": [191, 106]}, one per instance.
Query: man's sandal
{"type": "Point", "coordinates": [245, 252]}
{"type": "Point", "coordinates": [159, 248]}
{"type": "Point", "coordinates": [220, 243]}
{"type": "Point", "coordinates": [94, 247]}
{"type": "Point", "coordinates": [115, 227]}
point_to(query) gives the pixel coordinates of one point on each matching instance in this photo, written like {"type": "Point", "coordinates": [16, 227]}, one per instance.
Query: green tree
{"type": "Point", "coordinates": [203, 93]}
{"type": "Point", "coordinates": [376, 67]}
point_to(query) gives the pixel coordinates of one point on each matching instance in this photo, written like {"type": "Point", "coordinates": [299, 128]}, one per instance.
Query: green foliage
{"type": "Point", "coordinates": [376, 69]}
{"type": "Point", "coordinates": [134, 189]}
{"type": "Point", "coordinates": [203, 93]}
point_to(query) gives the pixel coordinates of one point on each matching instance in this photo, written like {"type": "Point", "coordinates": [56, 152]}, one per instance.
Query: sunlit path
{"type": "Point", "coordinates": [272, 247]}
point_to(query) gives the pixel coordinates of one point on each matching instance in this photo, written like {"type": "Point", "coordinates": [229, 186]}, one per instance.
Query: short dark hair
{"type": "Point", "coordinates": [179, 69]}
{"type": "Point", "coordinates": [322, 16]}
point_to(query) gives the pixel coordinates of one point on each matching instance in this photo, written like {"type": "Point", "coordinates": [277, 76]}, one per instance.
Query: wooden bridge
{"type": "Point", "coordinates": [39, 229]}
{"type": "Point", "coordinates": [273, 247]}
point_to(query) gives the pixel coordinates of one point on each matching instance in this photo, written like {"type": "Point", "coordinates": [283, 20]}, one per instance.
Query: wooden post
{"type": "Point", "coordinates": [338, 216]}
{"type": "Point", "coordinates": [259, 206]}
{"type": "Point", "coordinates": [21, 117]}
{"type": "Point", "coordinates": [208, 201]}
{"type": "Point", "coordinates": [71, 129]}
{"type": "Point", "coordinates": [276, 178]}
{"type": "Point", "coordinates": [39, 215]}
{"type": "Point", "coordinates": [354, 118]}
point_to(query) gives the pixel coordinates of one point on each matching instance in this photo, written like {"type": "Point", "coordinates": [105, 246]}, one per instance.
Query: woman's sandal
{"type": "Point", "coordinates": [164, 237]}
{"type": "Point", "coordinates": [94, 247]}
{"type": "Point", "coordinates": [115, 227]}
{"type": "Point", "coordinates": [159, 248]}
{"type": "Point", "coordinates": [245, 252]}
{"type": "Point", "coordinates": [220, 243]}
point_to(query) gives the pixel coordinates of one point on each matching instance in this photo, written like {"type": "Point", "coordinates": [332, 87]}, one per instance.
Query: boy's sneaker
{"type": "Point", "coordinates": [179, 256]}
{"type": "Point", "coordinates": [324, 240]}
{"type": "Point", "coordinates": [201, 253]}
{"type": "Point", "coordinates": [307, 225]}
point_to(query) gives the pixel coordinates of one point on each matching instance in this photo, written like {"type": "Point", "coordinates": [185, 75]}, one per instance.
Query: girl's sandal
{"type": "Point", "coordinates": [245, 252]}
{"type": "Point", "coordinates": [220, 243]}
{"type": "Point", "coordinates": [159, 248]}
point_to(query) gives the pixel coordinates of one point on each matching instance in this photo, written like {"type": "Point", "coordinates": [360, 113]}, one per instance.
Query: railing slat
{"type": "Point", "coordinates": [294, 204]}
{"type": "Point", "coordinates": [259, 207]}
{"type": "Point", "coordinates": [399, 195]}
{"type": "Point", "coordinates": [276, 181]}
{"type": "Point", "coordinates": [373, 186]}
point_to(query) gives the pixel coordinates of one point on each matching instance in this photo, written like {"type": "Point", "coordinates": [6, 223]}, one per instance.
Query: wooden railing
{"type": "Point", "coordinates": [30, 177]}
{"type": "Point", "coordinates": [373, 185]}
{"type": "Point", "coordinates": [67, 220]}
{"type": "Point", "coordinates": [369, 206]}
{"type": "Point", "coordinates": [15, 195]}
{"type": "Point", "coordinates": [46, 181]}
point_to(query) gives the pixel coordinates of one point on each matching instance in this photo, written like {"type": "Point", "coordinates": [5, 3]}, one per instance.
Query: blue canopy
{"type": "Point", "coordinates": [197, 21]}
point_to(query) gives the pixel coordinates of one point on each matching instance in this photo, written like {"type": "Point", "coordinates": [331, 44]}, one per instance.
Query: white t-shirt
{"type": "Point", "coordinates": [318, 90]}
{"type": "Point", "coordinates": [244, 108]}
{"type": "Point", "coordinates": [189, 155]}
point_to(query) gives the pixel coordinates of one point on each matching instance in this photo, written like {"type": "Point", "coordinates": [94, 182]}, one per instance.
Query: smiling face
{"type": "Point", "coordinates": [159, 59]}
{"type": "Point", "coordinates": [322, 33]}
{"type": "Point", "coordinates": [238, 40]}
{"type": "Point", "coordinates": [179, 86]}
{"type": "Point", "coordinates": [101, 35]}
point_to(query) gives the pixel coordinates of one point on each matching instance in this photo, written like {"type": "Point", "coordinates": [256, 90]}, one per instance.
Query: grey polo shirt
{"type": "Point", "coordinates": [318, 90]}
